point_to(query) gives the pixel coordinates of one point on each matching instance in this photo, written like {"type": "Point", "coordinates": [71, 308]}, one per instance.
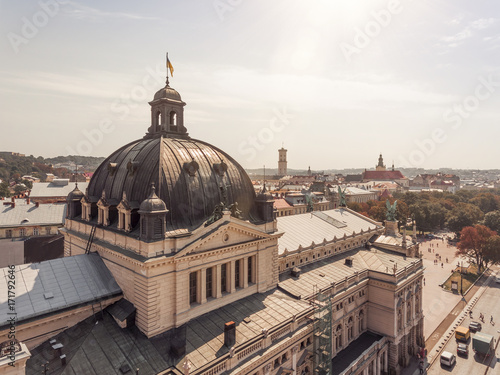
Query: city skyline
{"type": "Point", "coordinates": [336, 83]}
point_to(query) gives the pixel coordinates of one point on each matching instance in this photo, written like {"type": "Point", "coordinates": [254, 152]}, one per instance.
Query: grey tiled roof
{"type": "Point", "coordinates": [49, 286]}
{"type": "Point", "coordinates": [50, 189]}
{"type": "Point", "coordinates": [29, 214]}
{"type": "Point", "coordinates": [104, 347]}
{"type": "Point", "coordinates": [303, 229]}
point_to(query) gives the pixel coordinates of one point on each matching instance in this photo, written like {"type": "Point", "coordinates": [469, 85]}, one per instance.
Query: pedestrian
{"type": "Point", "coordinates": [441, 265]}
{"type": "Point", "coordinates": [437, 245]}
{"type": "Point", "coordinates": [424, 281]}
{"type": "Point", "coordinates": [421, 367]}
{"type": "Point", "coordinates": [491, 319]}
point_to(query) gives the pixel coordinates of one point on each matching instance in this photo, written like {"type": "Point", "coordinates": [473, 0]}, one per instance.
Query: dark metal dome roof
{"type": "Point", "coordinates": [75, 194]}
{"type": "Point", "coordinates": [152, 203]}
{"type": "Point", "coordinates": [190, 176]}
{"type": "Point", "coordinates": [167, 93]}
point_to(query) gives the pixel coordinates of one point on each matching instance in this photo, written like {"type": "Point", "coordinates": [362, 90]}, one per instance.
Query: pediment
{"type": "Point", "coordinates": [227, 234]}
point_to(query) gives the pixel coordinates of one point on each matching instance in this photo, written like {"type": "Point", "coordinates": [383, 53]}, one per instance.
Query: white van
{"type": "Point", "coordinates": [448, 359]}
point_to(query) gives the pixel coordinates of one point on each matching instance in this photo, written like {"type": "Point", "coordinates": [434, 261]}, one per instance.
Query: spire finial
{"type": "Point", "coordinates": [264, 188]}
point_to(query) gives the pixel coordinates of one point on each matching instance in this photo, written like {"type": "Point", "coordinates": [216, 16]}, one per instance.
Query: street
{"type": "Point", "coordinates": [489, 305]}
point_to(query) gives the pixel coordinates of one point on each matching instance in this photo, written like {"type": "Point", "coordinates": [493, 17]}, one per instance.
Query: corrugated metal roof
{"type": "Point", "coordinates": [51, 189]}
{"type": "Point", "coordinates": [303, 229]}
{"type": "Point", "coordinates": [49, 286]}
{"type": "Point", "coordinates": [29, 214]}
{"type": "Point", "coordinates": [324, 272]}
{"type": "Point", "coordinates": [190, 195]}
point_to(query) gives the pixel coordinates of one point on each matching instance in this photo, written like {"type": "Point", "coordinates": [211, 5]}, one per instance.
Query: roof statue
{"type": "Point", "coordinates": [310, 204]}
{"type": "Point", "coordinates": [391, 210]}
{"type": "Point", "coordinates": [342, 197]}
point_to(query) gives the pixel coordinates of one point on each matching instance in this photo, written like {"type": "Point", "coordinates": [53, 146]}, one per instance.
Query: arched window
{"type": "Point", "coordinates": [408, 312]}
{"type": "Point", "coordinates": [173, 118]}
{"type": "Point", "coordinates": [400, 319]}
{"type": "Point", "coordinates": [338, 337]}
{"type": "Point", "coordinates": [158, 118]}
{"type": "Point", "coordinates": [350, 329]}
{"type": "Point", "coordinates": [361, 321]}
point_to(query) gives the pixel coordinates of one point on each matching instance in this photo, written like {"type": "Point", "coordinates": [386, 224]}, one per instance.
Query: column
{"type": "Point", "coordinates": [295, 349]}
{"type": "Point", "coordinates": [217, 281]}
{"type": "Point", "coordinates": [231, 276]}
{"type": "Point", "coordinates": [245, 272]}
{"type": "Point", "coordinates": [202, 280]}
{"type": "Point", "coordinates": [377, 364]}
{"type": "Point", "coordinates": [386, 362]}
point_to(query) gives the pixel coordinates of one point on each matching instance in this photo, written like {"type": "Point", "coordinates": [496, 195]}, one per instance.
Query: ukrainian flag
{"type": "Point", "coordinates": [170, 67]}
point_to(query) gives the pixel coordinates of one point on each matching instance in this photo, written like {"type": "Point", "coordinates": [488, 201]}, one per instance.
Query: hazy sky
{"type": "Point", "coordinates": [337, 82]}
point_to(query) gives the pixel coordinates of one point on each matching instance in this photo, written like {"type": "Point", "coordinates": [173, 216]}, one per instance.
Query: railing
{"type": "Point", "coordinates": [262, 341]}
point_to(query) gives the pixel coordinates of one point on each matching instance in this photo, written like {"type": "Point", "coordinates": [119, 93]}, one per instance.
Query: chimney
{"type": "Point", "coordinates": [28, 200]}
{"type": "Point", "coordinates": [13, 204]}
{"type": "Point", "coordinates": [37, 204]}
{"type": "Point", "coordinates": [229, 334]}
{"type": "Point", "coordinates": [13, 199]}
{"type": "Point", "coordinates": [63, 360]}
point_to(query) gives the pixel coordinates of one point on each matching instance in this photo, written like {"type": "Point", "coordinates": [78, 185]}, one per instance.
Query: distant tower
{"type": "Point", "coordinates": [380, 166]}
{"type": "Point", "coordinates": [282, 162]}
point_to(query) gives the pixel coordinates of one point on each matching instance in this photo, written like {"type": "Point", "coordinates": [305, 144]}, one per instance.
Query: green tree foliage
{"type": "Point", "coordinates": [4, 189]}
{"type": "Point", "coordinates": [463, 215]}
{"type": "Point", "coordinates": [474, 242]}
{"type": "Point", "coordinates": [491, 250]}
{"type": "Point", "coordinates": [486, 202]}
{"type": "Point", "coordinates": [492, 220]}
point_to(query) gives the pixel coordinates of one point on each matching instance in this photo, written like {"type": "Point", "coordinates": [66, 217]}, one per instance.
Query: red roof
{"type": "Point", "coordinates": [383, 175]}
{"type": "Point", "coordinates": [281, 203]}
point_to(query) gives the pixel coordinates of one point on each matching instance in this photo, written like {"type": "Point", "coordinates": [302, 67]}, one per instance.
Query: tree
{"type": "Point", "coordinates": [20, 188]}
{"type": "Point", "coordinates": [492, 220]}
{"type": "Point", "coordinates": [463, 215]}
{"type": "Point", "coordinates": [487, 202]}
{"type": "Point", "coordinates": [4, 189]}
{"type": "Point", "coordinates": [491, 250]}
{"type": "Point", "coordinates": [473, 242]}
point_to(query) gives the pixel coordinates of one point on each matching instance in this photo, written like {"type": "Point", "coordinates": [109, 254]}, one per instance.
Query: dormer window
{"type": "Point", "coordinates": [103, 211]}
{"type": "Point", "coordinates": [124, 214]}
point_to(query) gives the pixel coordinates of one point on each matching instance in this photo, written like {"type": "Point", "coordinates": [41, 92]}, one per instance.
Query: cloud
{"type": "Point", "coordinates": [83, 12]}
{"type": "Point", "coordinates": [457, 39]}
{"type": "Point", "coordinates": [482, 23]}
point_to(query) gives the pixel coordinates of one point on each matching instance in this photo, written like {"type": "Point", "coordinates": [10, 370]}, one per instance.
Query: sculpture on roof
{"type": "Point", "coordinates": [391, 210]}
{"type": "Point", "coordinates": [342, 197]}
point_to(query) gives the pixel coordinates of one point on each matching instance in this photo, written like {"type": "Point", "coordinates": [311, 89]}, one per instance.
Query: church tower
{"type": "Point", "coordinates": [380, 166]}
{"type": "Point", "coordinates": [167, 114]}
{"type": "Point", "coordinates": [282, 171]}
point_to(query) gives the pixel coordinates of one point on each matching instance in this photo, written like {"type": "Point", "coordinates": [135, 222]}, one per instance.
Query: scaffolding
{"type": "Point", "coordinates": [322, 342]}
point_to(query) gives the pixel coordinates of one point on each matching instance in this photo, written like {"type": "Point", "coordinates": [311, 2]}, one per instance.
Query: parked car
{"type": "Point", "coordinates": [475, 326]}
{"type": "Point", "coordinates": [497, 279]}
{"type": "Point", "coordinates": [463, 349]}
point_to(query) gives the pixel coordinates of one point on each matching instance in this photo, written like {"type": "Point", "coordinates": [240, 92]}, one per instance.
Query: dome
{"type": "Point", "coordinates": [167, 93]}
{"type": "Point", "coordinates": [191, 178]}
{"type": "Point", "coordinates": [152, 203]}
{"type": "Point", "coordinates": [75, 195]}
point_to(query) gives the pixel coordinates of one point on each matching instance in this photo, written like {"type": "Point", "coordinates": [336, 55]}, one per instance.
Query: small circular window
{"type": "Point", "coordinates": [225, 237]}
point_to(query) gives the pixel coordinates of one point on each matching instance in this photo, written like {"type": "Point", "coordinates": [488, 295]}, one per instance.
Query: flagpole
{"type": "Point", "coordinates": [166, 65]}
